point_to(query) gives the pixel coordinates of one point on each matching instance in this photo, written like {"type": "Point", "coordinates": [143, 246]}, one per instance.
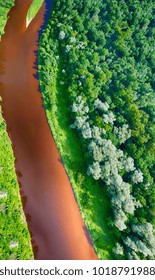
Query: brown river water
{"type": "Point", "coordinates": [54, 220]}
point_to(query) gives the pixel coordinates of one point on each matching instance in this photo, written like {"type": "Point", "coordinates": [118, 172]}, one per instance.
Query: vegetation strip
{"type": "Point", "coordinates": [15, 238]}
{"type": "Point", "coordinates": [33, 10]}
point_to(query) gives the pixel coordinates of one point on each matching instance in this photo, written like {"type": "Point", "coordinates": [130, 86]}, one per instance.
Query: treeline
{"type": "Point", "coordinates": [105, 52]}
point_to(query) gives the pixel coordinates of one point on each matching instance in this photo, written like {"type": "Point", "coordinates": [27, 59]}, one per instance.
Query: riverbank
{"type": "Point", "coordinates": [15, 244]}
{"type": "Point", "coordinates": [15, 238]}
{"type": "Point", "coordinates": [53, 216]}
{"type": "Point", "coordinates": [32, 11]}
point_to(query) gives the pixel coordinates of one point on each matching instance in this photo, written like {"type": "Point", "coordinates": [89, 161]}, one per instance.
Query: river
{"type": "Point", "coordinates": [54, 220]}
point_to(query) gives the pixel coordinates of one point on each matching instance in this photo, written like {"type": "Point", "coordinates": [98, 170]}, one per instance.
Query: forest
{"type": "Point", "coordinates": [96, 67]}
{"type": "Point", "coordinates": [96, 70]}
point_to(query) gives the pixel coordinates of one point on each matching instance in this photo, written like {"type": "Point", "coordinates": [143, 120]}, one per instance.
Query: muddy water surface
{"type": "Point", "coordinates": [53, 216]}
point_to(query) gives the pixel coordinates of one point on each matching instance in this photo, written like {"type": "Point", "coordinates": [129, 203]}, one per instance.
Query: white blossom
{"type": "Point", "coordinates": [129, 205]}
{"type": "Point", "coordinates": [68, 48]}
{"type": "Point", "coordinates": [79, 99]}
{"type": "Point", "coordinates": [81, 45]}
{"type": "Point", "coordinates": [146, 232]}
{"type": "Point", "coordinates": [120, 219]}
{"type": "Point", "coordinates": [72, 39]}
{"type": "Point", "coordinates": [13, 244]}
{"type": "Point", "coordinates": [59, 24]}
{"type": "Point", "coordinates": [96, 132]}
{"type": "Point", "coordinates": [128, 164]}
{"type": "Point", "coordinates": [137, 177]}
{"type": "Point", "coordinates": [94, 170]}
{"type": "Point", "coordinates": [98, 104]}
{"type": "Point", "coordinates": [3, 195]}
{"type": "Point", "coordinates": [95, 151]}
{"type": "Point", "coordinates": [137, 245]}
{"type": "Point", "coordinates": [86, 131]}
{"type": "Point", "coordinates": [103, 131]}
{"type": "Point", "coordinates": [122, 133]}
{"type": "Point", "coordinates": [62, 35]}
{"type": "Point", "coordinates": [79, 122]}
{"type": "Point", "coordinates": [118, 180]}
{"type": "Point", "coordinates": [118, 250]}
{"type": "Point", "coordinates": [79, 106]}
{"type": "Point", "coordinates": [86, 109]}
{"type": "Point", "coordinates": [133, 256]}
{"type": "Point", "coordinates": [109, 118]}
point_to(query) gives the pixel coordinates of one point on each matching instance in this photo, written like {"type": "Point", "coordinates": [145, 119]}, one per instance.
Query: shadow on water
{"type": "Point", "coordinates": [87, 235]}
{"type": "Point", "coordinates": [48, 9]}
{"type": "Point", "coordinates": [48, 4]}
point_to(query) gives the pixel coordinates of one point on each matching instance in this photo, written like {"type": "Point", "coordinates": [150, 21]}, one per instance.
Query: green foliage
{"type": "Point", "coordinates": [103, 52]}
{"type": "Point", "coordinates": [13, 229]}
{"type": "Point", "coordinates": [33, 10]}
{"type": "Point", "coordinates": [5, 6]}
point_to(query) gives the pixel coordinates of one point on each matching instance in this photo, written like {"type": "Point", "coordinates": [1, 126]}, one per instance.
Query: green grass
{"type": "Point", "coordinates": [13, 226]}
{"type": "Point", "coordinates": [90, 195]}
{"type": "Point", "coordinates": [34, 8]}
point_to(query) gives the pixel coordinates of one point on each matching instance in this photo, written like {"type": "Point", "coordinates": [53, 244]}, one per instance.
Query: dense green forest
{"type": "Point", "coordinates": [97, 77]}
{"type": "Point", "coordinates": [14, 235]}
{"type": "Point", "coordinates": [96, 70]}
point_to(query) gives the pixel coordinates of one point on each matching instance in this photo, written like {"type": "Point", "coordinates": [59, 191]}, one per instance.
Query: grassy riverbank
{"type": "Point", "coordinates": [14, 234]}
{"type": "Point", "coordinates": [33, 10]}
{"type": "Point", "coordinates": [90, 195]}
{"type": "Point", "coordinates": [15, 238]}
